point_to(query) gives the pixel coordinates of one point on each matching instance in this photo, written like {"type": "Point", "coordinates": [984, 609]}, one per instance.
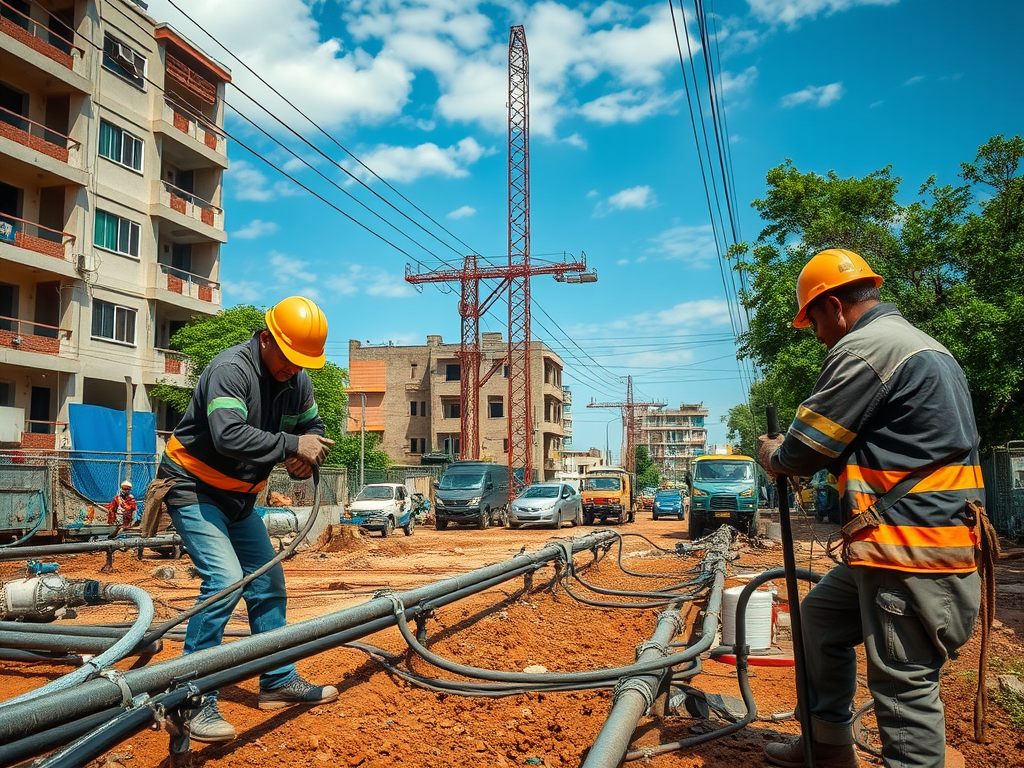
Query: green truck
{"type": "Point", "coordinates": [723, 489]}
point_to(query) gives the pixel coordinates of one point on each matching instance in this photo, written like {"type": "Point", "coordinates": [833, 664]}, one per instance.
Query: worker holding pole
{"type": "Point", "coordinates": [891, 417]}
{"type": "Point", "coordinates": [252, 408]}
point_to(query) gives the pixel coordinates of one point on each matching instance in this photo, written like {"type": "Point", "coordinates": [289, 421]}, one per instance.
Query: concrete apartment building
{"type": "Point", "coordinates": [413, 400]}
{"type": "Point", "coordinates": [111, 159]}
{"type": "Point", "coordinates": [674, 436]}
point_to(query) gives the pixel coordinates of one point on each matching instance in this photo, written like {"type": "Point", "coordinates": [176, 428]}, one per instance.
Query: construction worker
{"type": "Point", "coordinates": [891, 417]}
{"type": "Point", "coordinates": [121, 510]}
{"type": "Point", "coordinates": [252, 408]}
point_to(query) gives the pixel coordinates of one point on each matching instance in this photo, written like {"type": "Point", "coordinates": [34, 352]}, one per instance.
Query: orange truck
{"type": "Point", "coordinates": [609, 492]}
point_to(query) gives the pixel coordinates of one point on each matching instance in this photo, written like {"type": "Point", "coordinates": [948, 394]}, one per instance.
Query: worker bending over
{"type": "Point", "coordinates": [890, 404]}
{"type": "Point", "coordinates": [252, 408]}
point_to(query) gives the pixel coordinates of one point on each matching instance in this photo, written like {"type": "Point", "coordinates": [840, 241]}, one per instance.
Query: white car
{"type": "Point", "coordinates": [382, 507]}
{"type": "Point", "coordinates": [548, 504]}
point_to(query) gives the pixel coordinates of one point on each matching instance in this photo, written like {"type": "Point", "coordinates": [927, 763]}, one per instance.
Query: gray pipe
{"type": "Point", "coordinates": [32, 641]}
{"type": "Point", "coordinates": [116, 652]}
{"type": "Point", "coordinates": [79, 547]}
{"type": "Point", "coordinates": [634, 695]}
{"type": "Point", "coordinates": [61, 706]}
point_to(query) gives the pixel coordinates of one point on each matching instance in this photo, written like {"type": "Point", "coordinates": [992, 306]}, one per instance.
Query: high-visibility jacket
{"type": "Point", "coordinates": [239, 424]}
{"type": "Point", "coordinates": [888, 401]}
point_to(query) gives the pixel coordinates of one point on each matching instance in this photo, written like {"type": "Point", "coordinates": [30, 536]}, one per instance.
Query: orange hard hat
{"type": "Point", "coordinates": [300, 328]}
{"type": "Point", "coordinates": [827, 270]}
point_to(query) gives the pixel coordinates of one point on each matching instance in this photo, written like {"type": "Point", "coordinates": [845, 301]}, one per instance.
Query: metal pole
{"type": "Point", "coordinates": [362, 441]}
{"type": "Point", "coordinates": [129, 410]}
{"type": "Point", "coordinates": [803, 688]}
{"type": "Point", "coordinates": [78, 547]}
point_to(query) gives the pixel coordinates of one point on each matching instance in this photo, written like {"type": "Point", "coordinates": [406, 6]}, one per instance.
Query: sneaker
{"type": "Point", "coordinates": [298, 691]}
{"type": "Point", "coordinates": [208, 724]}
{"type": "Point", "coordinates": [791, 755]}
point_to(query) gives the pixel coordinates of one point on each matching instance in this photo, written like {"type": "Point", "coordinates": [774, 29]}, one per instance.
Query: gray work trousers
{"type": "Point", "coordinates": [910, 624]}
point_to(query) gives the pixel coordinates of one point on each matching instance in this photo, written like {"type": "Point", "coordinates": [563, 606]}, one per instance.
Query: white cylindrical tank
{"type": "Point", "coordinates": [759, 618]}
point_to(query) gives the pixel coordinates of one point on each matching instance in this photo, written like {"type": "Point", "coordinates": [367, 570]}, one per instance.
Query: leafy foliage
{"type": "Point", "coordinates": [953, 262]}
{"type": "Point", "coordinates": [203, 338]}
{"type": "Point", "coordinates": [647, 473]}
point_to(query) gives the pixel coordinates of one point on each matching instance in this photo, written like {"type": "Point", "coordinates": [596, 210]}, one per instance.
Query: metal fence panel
{"type": "Point", "coordinates": [393, 475]}
{"type": "Point", "coordinates": [1003, 470]}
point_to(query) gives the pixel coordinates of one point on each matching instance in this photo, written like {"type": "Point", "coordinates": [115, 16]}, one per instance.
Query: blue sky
{"type": "Point", "coordinates": [417, 91]}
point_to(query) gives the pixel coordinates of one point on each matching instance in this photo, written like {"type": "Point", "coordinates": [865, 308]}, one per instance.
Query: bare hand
{"type": "Point", "coordinates": [297, 468]}
{"type": "Point", "coordinates": [313, 449]}
{"type": "Point", "coordinates": [766, 446]}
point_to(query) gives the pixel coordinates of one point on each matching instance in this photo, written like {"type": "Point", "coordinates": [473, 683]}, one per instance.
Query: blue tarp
{"type": "Point", "coordinates": [98, 458]}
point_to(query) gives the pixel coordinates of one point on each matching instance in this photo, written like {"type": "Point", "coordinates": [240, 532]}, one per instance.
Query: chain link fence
{"type": "Point", "coordinates": [281, 490]}
{"type": "Point", "coordinates": [393, 475]}
{"type": "Point", "coordinates": [1003, 470]}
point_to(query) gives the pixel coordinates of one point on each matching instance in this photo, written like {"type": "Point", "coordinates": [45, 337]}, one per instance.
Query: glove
{"type": "Point", "coordinates": [766, 446]}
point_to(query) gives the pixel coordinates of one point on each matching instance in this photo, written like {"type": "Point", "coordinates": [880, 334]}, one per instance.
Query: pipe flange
{"type": "Point", "coordinates": [648, 645]}
{"type": "Point", "coordinates": [633, 684]}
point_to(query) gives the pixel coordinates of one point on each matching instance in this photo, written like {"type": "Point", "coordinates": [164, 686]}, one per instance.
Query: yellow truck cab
{"type": "Point", "coordinates": [723, 489]}
{"type": "Point", "coordinates": [609, 492]}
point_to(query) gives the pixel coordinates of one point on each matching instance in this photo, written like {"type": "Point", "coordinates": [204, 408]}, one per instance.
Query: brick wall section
{"type": "Point", "coordinates": [33, 42]}
{"type": "Point", "coordinates": [38, 440]}
{"type": "Point", "coordinates": [177, 203]}
{"type": "Point", "coordinates": [205, 293]}
{"type": "Point", "coordinates": [33, 142]}
{"type": "Point", "coordinates": [30, 343]}
{"type": "Point", "coordinates": [206, 216]}
{"type": "Point", "coordinates": [172, 365]}
{"type": "Point", "coordinates": [180, 122]}
{"type": "Point", "coordinates": [175, 284]}
{"type": "Point", "coordinates": [210, 139]}
{"type": "Point", "coordinates": [39, 245]}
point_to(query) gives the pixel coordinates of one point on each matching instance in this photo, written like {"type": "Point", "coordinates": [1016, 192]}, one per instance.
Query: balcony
{"type": "Point", "coordinates": [29, 133]}
{"type": "Point", "coordinates": [197, 141]}
{"type": "Point", "coordinates": [50, 51]}
{"type": "Point", "coordinates": [168, 367]}
{"type": "Point", "coordinates": [29, 336]}
{"type": "Point", "coordinates": [42, 435]}
{"type": "Point", "coordinates": [203, 294]}
{"type": "Point", "coordinates": [187, 209]}
{"type": "Point", "coordinates": [35, 237]}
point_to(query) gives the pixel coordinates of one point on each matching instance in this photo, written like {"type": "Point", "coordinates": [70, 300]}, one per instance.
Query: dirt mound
{"type": "Point", "coordinates": [341, 538]}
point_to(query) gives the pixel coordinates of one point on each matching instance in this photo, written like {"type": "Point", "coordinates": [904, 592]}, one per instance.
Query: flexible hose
{"type": "Point", "coordinates": [30, 534]}
{"type": "Point", "coordinates": [229, 590]}
{"type": "Point", "coordinates": [116, 652]}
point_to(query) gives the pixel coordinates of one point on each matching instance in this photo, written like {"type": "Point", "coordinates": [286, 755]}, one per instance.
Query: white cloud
{"type": "Point", "coordinates": [249, 183]}
{"type": "Point", "coordinates": [876, 104]}
{"type": "Point", "coordinates": [914, 80]}
{"type": "Point", "coordinates": [735, 84]}
{"type": "Point", "coordinates": [789, 12]}
{"type": "Point", "coordinates": [575, 140]}
{"type": "Point", "coordinates": [629, 106]}
{"type": "Point", "coordinates": [356, 278]}
{"type": "Point", "coordinates": [462, 212]}
{"type": "Point", "coordinates": [407, 164]}
{"type": "Point", "coordinates": [242, 291]}
{"type": "Point", "coordinates": [819, 96]}
{"type": "Point", "coordinates": [693, 245]}
{"type": "Point", "coordinates": [639, 197]}
{"type": "Point", "coordinates": [255, 229]}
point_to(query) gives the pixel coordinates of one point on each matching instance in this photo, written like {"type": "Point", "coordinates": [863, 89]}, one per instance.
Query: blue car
{"type": "Point", "coordinates": [668, 502]}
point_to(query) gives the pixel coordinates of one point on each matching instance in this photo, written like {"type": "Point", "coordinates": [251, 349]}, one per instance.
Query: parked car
{"type": "Point", "coordinates": [722, 490]}
{"type": "Point", "coordinates": [548, 504]}
{"type": "Point", "coordinates": [668, 501]}
{"type": "Point", "coordinates": [382, 507]}
{"type": "Point", "coordinates": [472, 493]}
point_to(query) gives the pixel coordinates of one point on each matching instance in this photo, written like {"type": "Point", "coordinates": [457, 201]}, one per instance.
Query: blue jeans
{"type": "Point", "coordinates": [910, 624]}
{"type": "Point", "coordinates": [223, 551]}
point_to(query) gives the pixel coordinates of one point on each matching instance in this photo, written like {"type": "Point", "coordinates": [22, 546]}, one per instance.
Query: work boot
{"type": "Point", "coordinates": [208, 724]}
{"type": "Point", "coordinates": [298, 691]}
{"type": "Point", "coordinates": [791, 755]}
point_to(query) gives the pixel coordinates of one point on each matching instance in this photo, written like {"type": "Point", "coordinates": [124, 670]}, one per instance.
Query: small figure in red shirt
{"type": "Point", "coordinates": [122, 506]}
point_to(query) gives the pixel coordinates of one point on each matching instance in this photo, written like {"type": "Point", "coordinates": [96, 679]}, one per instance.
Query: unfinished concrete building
{"type": "Point", "coordinates": [674, 436]}
{"type": "Point", "coordinates": [412, 400]}
{"type": "Point", "coordinates": [111, 223]}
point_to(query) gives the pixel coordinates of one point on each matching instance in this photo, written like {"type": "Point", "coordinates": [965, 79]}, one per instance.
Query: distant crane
{"type": "Point", "coordinates": [632, 414]}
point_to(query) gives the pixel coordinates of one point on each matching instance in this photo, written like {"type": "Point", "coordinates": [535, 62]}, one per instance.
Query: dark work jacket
{"type": "Point", "coordinates": [240, 423]}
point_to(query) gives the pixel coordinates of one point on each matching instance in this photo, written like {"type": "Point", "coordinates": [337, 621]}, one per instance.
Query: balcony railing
{"type": "Point", "coordinates": [34, 237]}
{"type": "Point", "coordinates": [40, 138]}
{"type": "Point", "coordinates": [185, 120]}
{"type": "Point", "coordinates": [39, 37]}
{"type": "Point", "coordinates": [173, 362]}
{"type": "Point", "coordinates": [41, 435]}
{"type": "Point", "coordinates": [187, 284]}
{"type": "Point", "coordinates": [191, 205]}
{"type": "Point", "coordinates": [30, 336]}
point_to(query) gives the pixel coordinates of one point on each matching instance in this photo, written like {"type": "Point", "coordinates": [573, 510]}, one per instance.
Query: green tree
{"type": "Point", "coordinates": [203, 338]}
{"type": "Point", "coordinates": [647, 473]}
{"type": "Point", "coordinates": [953, 262]}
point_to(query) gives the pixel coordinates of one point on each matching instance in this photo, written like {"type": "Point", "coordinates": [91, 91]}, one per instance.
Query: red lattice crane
{"type": "Point", "coordinates": [632, 415]}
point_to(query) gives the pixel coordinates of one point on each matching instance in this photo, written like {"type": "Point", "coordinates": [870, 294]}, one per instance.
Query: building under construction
{"type": "Point", "coordinates": [674, 436]}
{"type": "Point", "coordinates": [413, 400]}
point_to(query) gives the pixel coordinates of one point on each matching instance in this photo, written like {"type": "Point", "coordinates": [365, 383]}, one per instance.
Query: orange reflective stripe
{"type": "Point", "coordinates": [918, 536]}
{"type": "Point", "coordinates": [862, 501]}
{"type": "Point", "coordinates": [958, 477]}
{"type": "Point", "coordinates": [177, 453]}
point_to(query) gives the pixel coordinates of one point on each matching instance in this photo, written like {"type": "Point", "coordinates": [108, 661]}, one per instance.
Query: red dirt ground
{"type": "Point", "coordinates": [380, 721]}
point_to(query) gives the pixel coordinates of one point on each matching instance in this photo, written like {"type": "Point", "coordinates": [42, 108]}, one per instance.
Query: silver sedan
{"type": "Point", "coordinates": [548, 504]}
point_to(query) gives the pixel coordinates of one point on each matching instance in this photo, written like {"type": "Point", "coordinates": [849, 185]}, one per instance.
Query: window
{"type": "Point", "coordinates": [506, 370]}
{"type": "Point", "coordinates": [116, 234]}
{"type": "Point", "coordinates": [504, 445]}
{"type": "Point", "coordinates": [124, 61]}
{"type": "Point", "coordinates": [495, 408]}
{"type": "Point", "coordinates": [454, 410]}
{"type": "Point", "coordinates": [112, 322]}
{"type": "Point", "coordinates": [412, 408]}
{"type": "Point", "coordinates": [423, 407]}
{"type": "Point", "coordinates": [120, 146]}
{"type": "Point", "coordinates": [453, 372]}
{"type": "Point", "coordinates": [418, 445]}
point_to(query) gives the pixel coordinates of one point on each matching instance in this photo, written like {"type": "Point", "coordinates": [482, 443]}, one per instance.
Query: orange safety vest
{"type": "Point", "coordinates": [177, 453]}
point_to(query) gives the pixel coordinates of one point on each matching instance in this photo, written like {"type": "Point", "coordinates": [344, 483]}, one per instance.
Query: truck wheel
{"type": "Point", "coordinates": [389, 527]}
{"type": "Point", "coordinates": [623, 516]}
{"type": "Point", "coordinates": [696, 526]}
{"type": "Point", "coordinates": [440, 524]}
{"type": "Point", "coordinates": [485, 520]}
{"type": "Point", "coordinates": [753, 528]}
{"type": "Point", "coordinates": [410, 526]}
{"type": "Point", "coordinates": [654, 515]}
{"type": "Point", "coordinates": [588, 518]}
